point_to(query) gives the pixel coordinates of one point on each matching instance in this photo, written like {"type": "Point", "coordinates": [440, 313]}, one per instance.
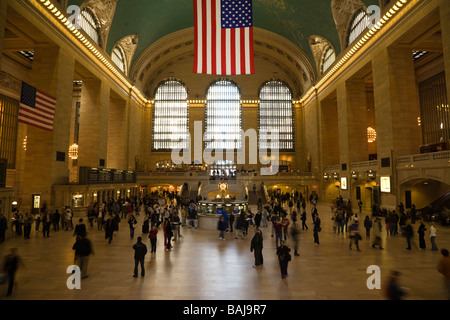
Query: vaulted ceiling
{"type": "Point", "coordinates": [296, 20]}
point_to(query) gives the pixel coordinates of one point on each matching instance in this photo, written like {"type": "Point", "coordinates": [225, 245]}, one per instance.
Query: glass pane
{"type": "Point", "coordinates": [276, 115]}
{"type": "Point", "coordinates": [171, 117]}
{"type": "Point", "coordinates": [223, 116]}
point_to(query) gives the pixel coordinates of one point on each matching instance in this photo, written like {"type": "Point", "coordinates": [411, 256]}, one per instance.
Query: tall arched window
{"type": "Point", "coordinates": [359, 23]}
{"type": "Point", "coordinates": [276, 115]}
{"type": "Point", "coordinates": [170, 117]}
{"type": "Point", "coordinates": [89, 24]}
{"type": "Point", "coordinates": [328, 59]}
{"type": "Point", "coordinates": [118, 57]}
{"type": "Point", "coordinates": [223, 116]}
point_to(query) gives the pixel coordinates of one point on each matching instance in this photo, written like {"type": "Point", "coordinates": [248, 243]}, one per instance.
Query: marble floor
{"type": "Point", "coordinates": [202, 267]}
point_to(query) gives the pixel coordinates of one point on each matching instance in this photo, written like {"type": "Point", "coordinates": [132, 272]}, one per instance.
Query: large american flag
{"type": "Point", "coordinates": [223, 37]}
{"type": "Point", "coordinates": [37, 109]}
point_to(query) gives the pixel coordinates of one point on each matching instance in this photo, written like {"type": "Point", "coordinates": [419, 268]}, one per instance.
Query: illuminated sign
{"type": "Point", "coordinates": [385, 184]}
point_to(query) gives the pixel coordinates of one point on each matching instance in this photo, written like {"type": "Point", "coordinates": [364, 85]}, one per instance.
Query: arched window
{"type": "Point", "coordinates": [223, 116]}
{"type": "Point", "coordinates": [118, 57]}
{"type": "Point", "coordinates": [89, 24]}
{"type": "Point", "coordinates": [170, 117]}
{"type": "Point", "coordinates": [359, 23]}
{"type": "Point", "coordinates": [276, 115]}
{"type": "Point", "coordinates": [328, 59]}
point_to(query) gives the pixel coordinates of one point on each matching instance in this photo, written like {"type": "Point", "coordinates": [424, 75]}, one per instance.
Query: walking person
{"type": "Point", "coordinates": [443, 267]}
{"type": "Point", "coordinates": [278, 226]}
{"type": "Point", "coordinates": [222, 227]}
{"type": "Point", "coordinates": [256, 247]}
{"type": "Point", "coordinates": [354, 235]}
{"type": "Point", "coordinates": [83, 249]}
{"type": "Point", "coordinates": [295, 234]}
{"type": "Point", "coordinates": [368, 225]}
{"type": "Point", "coordinates": [140, 250]}
{"type": "Point", "coordinates": [409, 235]}
{"type": "Point", "coordinates": [284, 256]}
{"type": "Point", "coordinates": [80, 229]}
{"type": "Point", "coordinates": [169, 234]}
{"type": "Point", "coordinates": [46, 224]}
{"type": "Point", "coordinates": [153, 238]}
{"type": "Point", "coordinates": [393, 289]}
{"type": "Point", "coordinates": [317, 229]}
{"type": "Point", "coordinates": [10, 266]}
{"type": "Point", "coordinates": [303, 218]}
{"type": "Point", "coordinates": [421, 232]}
{"type": "Point", "coordinates": [132, 222]}
{"type": "Point", "coordinates": [433, 237]}
{"type": "Point", "coordinates": [377, 234]}
{"type": "Point", "coordinates": [109, 228]}
{"type": "Point", "coordinates": [27, 222]}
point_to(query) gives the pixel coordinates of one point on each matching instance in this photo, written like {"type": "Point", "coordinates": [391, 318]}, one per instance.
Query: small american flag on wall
{"type": "Point", "coordinates": [37, 109]}
{"type": "Point", "coordinates": [223, 37]}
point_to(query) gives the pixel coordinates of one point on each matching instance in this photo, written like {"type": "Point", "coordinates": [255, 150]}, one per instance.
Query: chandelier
{"type": "Point", "coordinates": [371, 135]}
{"type": "Point", "coordinates": [73, 152]}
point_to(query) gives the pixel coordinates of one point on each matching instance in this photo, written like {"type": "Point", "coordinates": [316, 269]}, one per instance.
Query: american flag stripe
{"type": "Point", "coordinates": [37, 109]}
{"type": "Point", "coordinates": [221, 51]}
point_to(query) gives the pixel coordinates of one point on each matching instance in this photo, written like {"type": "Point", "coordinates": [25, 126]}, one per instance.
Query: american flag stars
{"type": "Point", "coordinates": [237, 14]}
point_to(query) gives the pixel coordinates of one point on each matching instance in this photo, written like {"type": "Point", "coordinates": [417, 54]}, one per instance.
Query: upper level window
{"type": "Point", "coordinates": [89, 24]}
{"type": "Point", "coordinates": [118, 58]}
{"type": "Point", "coordinates": [328, 59]}
{"type": "Point", "coordinates": [171, 117]}
{"type": "Point", "coordinates": [276, 116]}
{"type": "Point", "coordinates": [359, 23]}
{"type": "Point", "coordinates": [223, 116]}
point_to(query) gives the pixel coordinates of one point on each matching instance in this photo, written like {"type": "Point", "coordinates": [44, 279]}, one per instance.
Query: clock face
{"type": "Point", "coordinates": [223, 186]}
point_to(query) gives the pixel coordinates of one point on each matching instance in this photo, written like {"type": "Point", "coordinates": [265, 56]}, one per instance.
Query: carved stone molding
{"type": "Point", "coordinates": [343, 12]}
{"type": "Point", "coordinates": [180, 44]}
{"type": "Point", "coordinates": [10, 83]}
{"type": "Point", "coordinates": [318, 46]}
{"type": "Point", "coordinates": [104, 11]}
{"type": "Point", "coordinates": [128, 45]}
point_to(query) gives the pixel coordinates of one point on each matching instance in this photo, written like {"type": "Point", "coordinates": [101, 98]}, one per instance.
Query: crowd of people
{"type": "Point", "coordinates": [160, 213]}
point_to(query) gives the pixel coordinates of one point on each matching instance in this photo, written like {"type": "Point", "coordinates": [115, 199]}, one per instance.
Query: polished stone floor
{"type": "Point", "coordinates": [202, 267]}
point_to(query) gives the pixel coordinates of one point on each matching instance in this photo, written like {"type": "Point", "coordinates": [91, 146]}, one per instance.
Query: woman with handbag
{"type": "Point", "coordinates": [284, 256]}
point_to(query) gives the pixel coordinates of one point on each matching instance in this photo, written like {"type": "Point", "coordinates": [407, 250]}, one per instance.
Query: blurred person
{"type": "Point", "coordinates": [132, 222]}
{"type": "Point", "coordinates": [433, 237]}
{"type": "Point", "coordinates": [354, 235]}
{"type": "Point", "coordinates": [10, 266]}
{"type": "Point", "coordinates": [83, 249]}
{"type": "Point", "coordinates": [222, 227]}
{"type": "Point", "coordinates": [443, 267]}
{"type": "Point", "coordinates": [80, 229]}
{"type": "Point", "coordinates": [295, 234]}
{"type": "Point", "coordinates": [421, 232]}
{"type": "Point", "coordinates": [377, 234]}
{"type": "Point", "coordinates": [393, 290]}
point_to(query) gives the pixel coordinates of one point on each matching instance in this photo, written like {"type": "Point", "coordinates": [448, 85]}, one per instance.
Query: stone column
{"type": "Point", "coordinates": [94, 114]}
{"type": "Point", "coordinates": [329, 133]}
{"type": "Point", "coordinates": [3, 9]}
{"type": "Point", "coordinates": [396, 111]}
{"type": "Point", "coordinates": [444, 9]}
{"type": "Point", "coordinates": [357, 125]}
{"type": "Point", "coordinates": [52, 73]}
{"type": "Point", "coordinates": [118, 135]}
